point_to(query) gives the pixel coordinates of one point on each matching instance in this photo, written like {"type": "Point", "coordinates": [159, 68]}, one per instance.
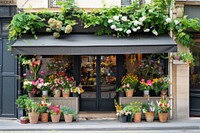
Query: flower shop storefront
{"type": "Point", "coordinates": [97, 63]}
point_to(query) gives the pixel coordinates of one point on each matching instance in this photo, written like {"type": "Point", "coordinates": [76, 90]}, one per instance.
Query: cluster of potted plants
{"type": "Point", "coordinates": [35, 110]}
{"type": "Point", "coordinates": [133, 111]}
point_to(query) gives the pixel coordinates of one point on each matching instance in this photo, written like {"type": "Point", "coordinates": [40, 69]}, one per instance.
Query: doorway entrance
{"type": "Point", "coordinates": [98, 78]}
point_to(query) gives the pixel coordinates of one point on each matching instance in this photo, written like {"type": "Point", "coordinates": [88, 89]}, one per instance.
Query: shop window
{"type": "Point", "coordinates": [146, 66]}
{"type": "Point", "coordinates": [195, 69]}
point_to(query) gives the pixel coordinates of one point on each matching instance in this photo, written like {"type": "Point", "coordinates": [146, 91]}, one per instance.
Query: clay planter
{"type": "Point", "coordinates": [68, 118]}
{"type": "Point", "coordinates": [163, 93]}
{"type": "Point", "coordinates": [137, 117]}
{"type": "Point", "coordinates": [44, 117]}
{"type": "Point", "coordinates": [149, 116]}
{"type": "Point", "coordinates": [66, 94]}
{"type": "Point", "coordinates": [55, 118]}
{"type": "Point", "coordinates": [24, 120]}
{"type": "Point", "coordinates": [33, 117]}
{"type": "Point", "coordinates": [163, 117]}
{"type": "Point", "coordinates": [129, 93]}
{"type": "Point", "coordinates": [56, 93]}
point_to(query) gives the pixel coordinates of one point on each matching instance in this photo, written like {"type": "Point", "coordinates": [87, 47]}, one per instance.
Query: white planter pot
{"type": "Point", "coordinates": [146, 92]}
{"type": "Point", "coordinates": [45, 93]}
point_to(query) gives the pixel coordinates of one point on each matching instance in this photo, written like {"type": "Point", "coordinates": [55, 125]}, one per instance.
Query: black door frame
{"type": "Point", "coordinates": [120, 73]}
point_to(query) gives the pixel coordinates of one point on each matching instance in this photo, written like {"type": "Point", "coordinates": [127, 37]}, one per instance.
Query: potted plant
{"type": "Point", "coordinates": [56, 84]}
{"type": "Point", "coordinates": [161, 85]}
{"type": "Point", "coordinates": [129, 82]}
{"type": "Point", "coordinates": [148, 109]}
{"type": "Point", "coordinates": [20, 101]}
{"type": "Point", "coordinates": [43, 86]}
{"type": "Point", "coordinates": [163, 109]}
{"type": "Point", "coordinates": [33, 110]}
{"type": "Point", "coordinates": [68, 83]}
{"type": "Point", "coordinates": [30, 87]}
{"type": "Point", "coordinates": [43, 109]}
{"type": "Point", "coordinates": [146, 86]}
{"type": "Point", "coordinates": [55, 113]}
{"type": "Point", "coordinates": [118, 106]}
{"type": "Point", "coordinates": [69, 114]}
{"type": "Point", "coordinates": [122, 115]}
{"type": "Point", "coordinates": [76, 90]}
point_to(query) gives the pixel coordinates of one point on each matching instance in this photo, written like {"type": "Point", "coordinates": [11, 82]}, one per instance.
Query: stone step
{"type": "Point", "coordinates": [96, 115]}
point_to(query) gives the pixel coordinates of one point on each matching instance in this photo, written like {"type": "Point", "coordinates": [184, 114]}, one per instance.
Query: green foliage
{"type": "Point", "coordinates": [43, 109]}
{"type": "Point", "coordinates": [31, 105]}
{"type": "Point", "coordinates": [20, 101]}
{"type": "Point", "coordinates": [23, 23]}
{"type": "Point", "coordinates": [67, 110]}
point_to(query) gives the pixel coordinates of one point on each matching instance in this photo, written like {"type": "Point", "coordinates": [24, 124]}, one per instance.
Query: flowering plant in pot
{"type": "Point", "coordinates": [69, 114]}
{"type": "Point", "coordinates": [55, 113]}
{"type": "Point", "coordinates": [148, 109]}
{"type": "Point", "coordinates": [68, 82]}
{"type": "Point", "coordinates": [122, 115]}
{"type": "Point", "coordinates": [146, 86]}
{"type": "Point", "coordinates": [118, 106]}
{"type": "Point", "coordinates": [161, 85]}
{"type": "Point", "coordinates": [136, 111]}
{"type": "Point", "coordinates": [76, 90]}
{"type": "Point", "coordinates": [129, 82]}
{"type": "Point", "coordinates": [43, 86]}
{"type": "Point", "coordinates": [44, 109]}
{"type": "Point", "coordinates": [163, 108]}
{"type": "Point", "coordinates": [30, 87]}
{"type": "Point", "coordinates": [56, 83]}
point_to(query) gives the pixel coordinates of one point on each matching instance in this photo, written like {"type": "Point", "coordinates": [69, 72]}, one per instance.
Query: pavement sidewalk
{"type": "Point", "coordinates": [14, 125]}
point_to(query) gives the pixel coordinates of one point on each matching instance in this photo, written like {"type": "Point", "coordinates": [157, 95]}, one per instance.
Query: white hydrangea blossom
{"type": "Point", "coordinates": [128, 32]}
{"type": "Point", "coordinates": [113, 27]}
{"type": "Point", "coordinates": [155, 32]}
{"type": "Point", "coordinates": [146, 30]}
{"type": "Point", "coordinates": [120, 29]}
{"type": "Point", "coordinates": [142, 19]}
{"type": "Point", "coordinates": [136, 23]}
{"type": "Point", "coordinates": [138, 28]}
{"type": "Point", "coordinates": [116, 18]}
{"type": "Point", "coordinates": [110, 20]}
{"type": "Point", "coordinates": [134, 29]}
{"type": "Point", "coordinates": [124, 18]}
{"type": "Point", "coordinates": [176, 22]}
{"type": "Point", "coordinates": [168, 20]}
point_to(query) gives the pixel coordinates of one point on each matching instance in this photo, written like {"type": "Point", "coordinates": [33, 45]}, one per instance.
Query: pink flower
{"type": "Point", "coordinates": [42, 72]}
{"type": "Point", "coordinates": [33, 82]}
{"type": "Point", "coordinates": [24, 74]}
{"type": "Point", "coordinates": [128, 85]}
{"type": "Point", "coordinates": [149, 82]}
{"type": "Point", "coordinates": [142, 80]}
{"type": "Point", "coordinates": [31, 72]}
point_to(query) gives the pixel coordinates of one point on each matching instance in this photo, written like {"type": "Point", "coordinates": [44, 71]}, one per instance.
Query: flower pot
{"type": "Point", "coordinates": [74, 94]}
{"type": "Point", "coordinates": [121, 94]}
{"type": "Point", "coordinates": [24, 120]}
{"type": "Point", "coordinates": [163, 117]}
{"type": "Point", "coordinates": [149, 116]}
{"type": "Point", "coordinates": [45, 93]}
{"type": "Point", "coordinates": [146, 93]}
{"type": "Point", "coordinates": [44, 117]}
{"type": "Point", "coordinates": [68, 118]}
{"type": "Point", "coordinates": [137, 117]}
{"type": "Point", "coordinates": [163, 93]}
{"type": "Point", "coordinates": [31, 94]}
{"type": "Point", "coordinates": [33, 117]}
{"type": "Point", "coordinates": [123, 118]}
{"type": "Point", "coordinates": [66, 93]}
{"type": "Point", "coordinates": [56, 93]}
{"type": "Point", "coordinates": [129, 93]}
{"type": "Point", "coordinates": [55, 118]}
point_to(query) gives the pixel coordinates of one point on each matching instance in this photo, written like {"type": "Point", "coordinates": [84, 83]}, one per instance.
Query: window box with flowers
{"type": "Point", "coordinates": [129, 83]}
{"type": "Point", "coordinates": [183, 58]}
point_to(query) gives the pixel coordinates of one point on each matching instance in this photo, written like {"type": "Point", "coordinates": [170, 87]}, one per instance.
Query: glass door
{"type": "Point", "coordinates": [98, 78]}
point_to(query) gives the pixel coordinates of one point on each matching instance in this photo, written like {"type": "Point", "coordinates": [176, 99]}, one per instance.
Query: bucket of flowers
{"type": "Point", "coordinates": [30, 87]}
{"type": "Point", "coordinates": [76, 90]}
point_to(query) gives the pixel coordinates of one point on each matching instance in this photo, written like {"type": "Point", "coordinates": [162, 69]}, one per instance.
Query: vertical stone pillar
{"type": "Point", "coordinates": [180, 90]}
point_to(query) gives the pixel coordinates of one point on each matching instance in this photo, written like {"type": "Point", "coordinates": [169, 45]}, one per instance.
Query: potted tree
{"type": "Point", "coordinates": [55, 113]}
{"type": "Point", "coordinates": [20, 101]}
{"type": "Point", "coordinates": [69, 114]}
{"type": "Point", "coordinates": [33, 110]}
{"type": "Point", "coordinates": [148, 109]}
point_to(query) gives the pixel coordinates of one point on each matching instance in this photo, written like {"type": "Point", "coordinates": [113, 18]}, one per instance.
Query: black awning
{"type": "Point", "coordinates": [85, 44]}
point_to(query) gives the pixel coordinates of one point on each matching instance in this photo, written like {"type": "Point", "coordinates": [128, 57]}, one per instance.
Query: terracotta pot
{"type": "Point", "coordinates": [45, 93]}
{"type": "Point", "coordinates": [55, 118]}
{"type": "Point", "coordinates": [149, 116]}
{"type": "Point", "coordinates": [33, 117]}
{"type": "Point", "coordinates": [31, 94]}
{"type": "Point", "coordinates": [163, 117]}
{"type": "Point", "coordinates": [129, 93]}
{"type": "Point", "coordinates": [56, 93]}
{"type": "Point", "coordinates": [44, 117]}
{"type": "Point", "coordinates": [68, 118]}
{"type": "Point", "coordinates": [66, 94]}
{"type": "Point", "coordinates": [163, 93]}
{"type": "Point", "coordinates": [137, 117]}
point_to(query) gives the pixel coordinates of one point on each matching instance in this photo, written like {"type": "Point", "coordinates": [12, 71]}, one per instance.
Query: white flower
{"type": "Point", "coordinates": [146, 30]}
{"type": "Point", "coordinates": [150, 10]}
{"type": "Point", "coordinates": [176, 22]}
{"type": "Point", "coordinates": [134, 29]}
{"type": "Point", "coordinates": [128, 32]}
{"type": "Point", "coordinates": [136, 23]}
{"type": "Point", "coordinates": [124, 18]}
{"type": "Point", "coordinates": [155, 32]}
{"type": "Point", "coordinates": [110, 20]}
{"type": "Point", "coordinates": [168, 20]}
{"type": "Point", "coordinates": [116, 18]}
{"type": "Point", "coordinates": [142, 19]}
{"type": "Point", "coordinates": [120, 29]}
{"type": "Point", "coordinates": [138, 28]}
{"type": "Point", "coordinates": [128, 85]}
{"type": "Point", "coordinates": [113, 27]}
